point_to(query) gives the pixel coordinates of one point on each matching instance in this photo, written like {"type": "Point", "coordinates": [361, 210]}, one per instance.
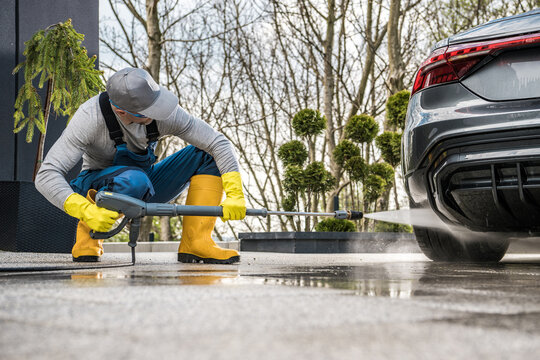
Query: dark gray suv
{"type": "Point", "coordinates": [471, 145]}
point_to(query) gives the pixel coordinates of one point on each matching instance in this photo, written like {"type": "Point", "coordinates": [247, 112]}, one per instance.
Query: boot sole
{"type": "Point", "coordinates": [189, 258]}
{"type": "Point", "coordinates": [87, 258]}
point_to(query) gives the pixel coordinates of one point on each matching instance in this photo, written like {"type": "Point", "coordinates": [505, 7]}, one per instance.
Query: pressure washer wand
{"type": "Point", "coordinates": [134, 209]}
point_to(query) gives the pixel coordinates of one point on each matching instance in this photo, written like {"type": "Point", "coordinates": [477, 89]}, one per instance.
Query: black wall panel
{"type": "Point", "coordinates": [16, 156]}
{"type": "Point", "coordinates": [7, 89]}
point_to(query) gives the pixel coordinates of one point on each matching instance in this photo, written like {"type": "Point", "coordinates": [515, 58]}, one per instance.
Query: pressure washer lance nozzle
{"type": "Point", "coordinates": [339, 214]}
{"type": "Point", "coordinates": [349, 215]}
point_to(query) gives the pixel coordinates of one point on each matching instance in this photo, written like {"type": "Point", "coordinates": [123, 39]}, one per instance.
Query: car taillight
{"type": "Point", "coordinates": [453, 62]}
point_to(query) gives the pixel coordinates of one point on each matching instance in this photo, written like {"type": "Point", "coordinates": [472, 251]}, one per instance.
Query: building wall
{"type": "Point", "coordinates": [19, 20]}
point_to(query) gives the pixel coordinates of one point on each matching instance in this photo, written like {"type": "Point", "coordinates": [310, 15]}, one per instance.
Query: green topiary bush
{"type": "Point", "coordinates": [389, 143]}
{"type": "Point", "coordinates": [308, 122]}
{"type": "Point", "coordinates": [294, 179]}
{"type": "Point", "coordinates": [356, 168]}
{"type": "Point", "coordinates": [374, 187]}
{"type": "Point", "coordinates": [293, 153]}
{"type": "Point", "coordinates": [361, 128]}
{"type": "Point", "coordinates": [317, 179]}
{"type": "Point", "coordinates": [384, 170]}
{"type": "Point", "coordinates": [289, 203]}
{"type": "Point", "coordinates": [344, 151]}
{"type": "Point", "coordinates": [335, 225]}
{"type": "Point", "coordinates": [396, 108]}
{"type": "Point", "coordinates": [382, 226]}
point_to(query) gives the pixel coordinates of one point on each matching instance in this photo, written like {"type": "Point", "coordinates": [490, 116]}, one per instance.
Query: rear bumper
{"type": "Point", "coordinates": [485, 177]}
{"type": "Point", "coordinates": [488, 189]}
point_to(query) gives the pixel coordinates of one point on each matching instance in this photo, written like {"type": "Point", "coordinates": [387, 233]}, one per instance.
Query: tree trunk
{"type": "Point", "coordinates": [396, 199]}
{"type": "Point", "coordinates": [41, 141]}
{"type": "Point", "coordinates": [154, 39]}
{"type": "Point", "coordinates": [396, 68]}
{"type": "Point", "coordinates": [165, 228]}
{"type": "Point", "coordinates": [328, 85]}
{"type": "Point", "coordinates": [153, 67]}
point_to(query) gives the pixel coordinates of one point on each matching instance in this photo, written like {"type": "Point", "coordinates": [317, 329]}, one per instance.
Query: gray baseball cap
{"type": "Point", "coordinates": [136, 91]}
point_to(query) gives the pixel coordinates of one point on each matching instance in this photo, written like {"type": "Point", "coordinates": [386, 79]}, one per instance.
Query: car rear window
{"type": "Point", "coordinates": [511, 76]}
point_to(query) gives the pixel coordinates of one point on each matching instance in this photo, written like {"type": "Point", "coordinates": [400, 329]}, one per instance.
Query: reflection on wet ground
{"type": "Point", "coordinates": [386, 279]}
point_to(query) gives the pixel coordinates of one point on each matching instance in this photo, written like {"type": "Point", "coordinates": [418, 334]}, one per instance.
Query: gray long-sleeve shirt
{"type": "Point", "coordinates": [87, 136]}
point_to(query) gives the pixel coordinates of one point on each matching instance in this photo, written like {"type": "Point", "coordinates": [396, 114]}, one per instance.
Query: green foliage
{"type": "Point", "coordinates": [356, 168]}
{"type": "Point", "coordinates": [384, 170]}
{"type": "Point", "coordinates": [293, 179]}
{"type": "Point", "coordinates": [317, 178]}
{"type": "Point", "coordinates": [332, 225]}
{"type": "Point", "coordinates": [361, 128]}
{"type": "Point", "coordinates": [389, 143]}
{"type": "Point", "coordinates": [374, 187]}
{"type": "Point", "coordinates": [308, 122]}
{"type": "Point", "coordinates": [382, 226]}
{"type": "Point", "coordinates": [396, 108]}
{"type": "Point", "coordinates": [293, 153]}
{"type": "Point", "coordinates": [55, 55]}
{"type": "Point", "coordinates": [289, 203]}
{"type": "Point", "coordinates": [344, 151]}
{"type": "Point", "coordinates": [307, 184]}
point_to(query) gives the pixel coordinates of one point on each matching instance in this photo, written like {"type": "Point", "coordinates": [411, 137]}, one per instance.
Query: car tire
{"type": "Point", "coordinates": [440, 245]}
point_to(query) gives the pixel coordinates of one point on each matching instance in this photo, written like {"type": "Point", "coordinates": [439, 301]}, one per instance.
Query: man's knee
{"type": "Point", "coordinates": [132, 182]}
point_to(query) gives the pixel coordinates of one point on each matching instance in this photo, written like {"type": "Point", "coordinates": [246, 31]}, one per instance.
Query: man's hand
{"type": "Point", "coordinates": [97, 218]}
{"type": "Point", "coordinates": [234, 206]}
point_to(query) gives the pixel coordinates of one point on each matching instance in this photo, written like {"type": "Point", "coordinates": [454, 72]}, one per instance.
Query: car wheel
{"type": "Point", "coordinates": [440, 245]}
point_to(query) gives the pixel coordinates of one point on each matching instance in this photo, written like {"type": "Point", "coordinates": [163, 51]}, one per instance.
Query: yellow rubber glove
{"type": "Point", "coordinates": [97, 218]}
{"type": "Point", "coordinates": [234, 206]}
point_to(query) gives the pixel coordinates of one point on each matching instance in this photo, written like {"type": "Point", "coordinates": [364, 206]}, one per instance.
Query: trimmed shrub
{"type": "Point", "coordinates": [356, 168]}
{"type": "Point", "coordinates": [374, 187]}
{"type": "Point", "coordinates": [382, 226]}
{"type": "Point", "coordinates": [335, 225]}
{"type": "Point", "coordinates": [384, 170]}
{"type": "Point", "coordinates": [293, 179]}
{"type": "Point", "coordinates": [317, 178]}
{"type": "Point", "coordinates": [289, 203]}
{"type": "Point", "coordinates": [308, 122]}
{"type": "Point", "coordinates": [361, 128]}
{"type": "Point", "coordinates": [389, 143]}
{"type": "Point", "coordinates": [396, 108]}
{"type": "Point", "coordinates": [293, 153]}
{"type": "Point", "coordinates": [344, 151]}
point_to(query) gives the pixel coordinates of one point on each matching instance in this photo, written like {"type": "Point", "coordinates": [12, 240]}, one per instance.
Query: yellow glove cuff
{"type": "Point", "coordinates": [234, 206]}
{"type": "Point", "coordinates": [74, 205]}
{"type": "Point", "coordinates": [232, 184]}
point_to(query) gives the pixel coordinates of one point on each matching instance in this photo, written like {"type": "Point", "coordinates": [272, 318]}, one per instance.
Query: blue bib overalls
{"type": "Point", "coordinates": [138, 175]}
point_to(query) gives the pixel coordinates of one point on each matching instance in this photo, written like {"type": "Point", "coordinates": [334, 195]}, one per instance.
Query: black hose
{"type": "Point", "coordinates": [67, 268]}
{"type": "Point", "coordinates": [61, 268]}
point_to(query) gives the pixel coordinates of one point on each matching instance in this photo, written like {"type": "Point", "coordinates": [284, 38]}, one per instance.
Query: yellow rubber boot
{"type": "Point", "coordinates": [196, 244]}
{"type": "Point", "coordinates": [86, 249]}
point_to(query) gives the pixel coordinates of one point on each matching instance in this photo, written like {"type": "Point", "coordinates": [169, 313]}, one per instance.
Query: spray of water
{"type": "Point", "coordinates": [427, 218]}
{"type": "Point", "coordinates": [415, 217]}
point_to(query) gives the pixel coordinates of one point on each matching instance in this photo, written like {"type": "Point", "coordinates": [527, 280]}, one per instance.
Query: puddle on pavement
{"type": "Point", "coordinates": [373, 281]}
{"type": "Point", "coordinates": [345, 278]}
{"type": "Point", "coordinates": [366, 287]}
{"type": "Point", "coordinates": [394, 280]}
{"type": "Point", "coordinates": [363, 281]}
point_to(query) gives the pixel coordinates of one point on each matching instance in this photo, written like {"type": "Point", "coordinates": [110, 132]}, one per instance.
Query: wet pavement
{"type": "Point", "coordinates": [272, 306]}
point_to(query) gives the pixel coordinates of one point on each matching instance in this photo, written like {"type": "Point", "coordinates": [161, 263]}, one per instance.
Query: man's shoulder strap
{"type": "Point", "coordinates": [152, 132]}
{"type": "Point", "coordinates": [115, 132]}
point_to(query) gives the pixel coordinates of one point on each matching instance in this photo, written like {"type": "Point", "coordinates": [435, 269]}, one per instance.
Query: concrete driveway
{"type": "Point", "coordinates": [272, 306]}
